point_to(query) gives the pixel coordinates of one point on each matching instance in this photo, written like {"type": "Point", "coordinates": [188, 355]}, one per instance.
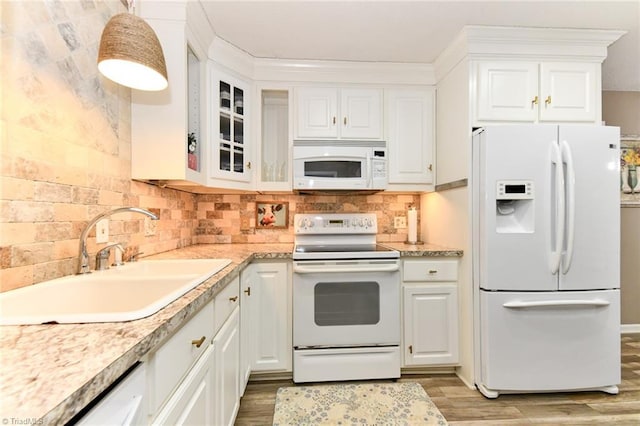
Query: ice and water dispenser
{"type": "Point", "coordinates": [514, 206]}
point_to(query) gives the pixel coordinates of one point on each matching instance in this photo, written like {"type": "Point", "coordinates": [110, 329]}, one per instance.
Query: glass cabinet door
{"type": "Point", "coordinates": [231, 116]}
{"type": "Point", "coordinates": [193, 111]}
{"type": "Point", "coordinates": [230, 153]}
{"type": "Point", "coordinates": [274, 139]}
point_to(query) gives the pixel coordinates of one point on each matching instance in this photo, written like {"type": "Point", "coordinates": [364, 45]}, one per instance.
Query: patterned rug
{"type": "Point", "coordinates": [363, 404]}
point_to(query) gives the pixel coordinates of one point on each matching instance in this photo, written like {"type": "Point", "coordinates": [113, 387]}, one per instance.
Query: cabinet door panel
{"type": "Point", "coordinates": [316, 113]}
{"type": "Point", "coordinates": [227, 371]}
{"type": "Point", "coordinates": [410, 120]}
{"type": "Point", "coordinates": [361, 113]}
{"type": "Point", "coordinates": [272, 339]}
{"type": "Point", "coordinates": [507, 91]}
{"type": "Point", "coordinates": [430, 325]}
{"type": "Point", "coordinates": [567, 91]}
{"type": "Point", "coordinates": [192, 403]}
{"type": "Point", "coordinates": [230, 149]}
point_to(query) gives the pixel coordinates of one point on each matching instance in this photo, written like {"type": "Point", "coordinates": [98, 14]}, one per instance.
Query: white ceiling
{"type": "Point", "coordinates": [413, 31]}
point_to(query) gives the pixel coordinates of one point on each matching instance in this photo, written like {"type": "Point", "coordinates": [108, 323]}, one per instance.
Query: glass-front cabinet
{"type": "Point", "coordinates": [231, 156]}
{"type": "Point", "coordinates": [194, 146]}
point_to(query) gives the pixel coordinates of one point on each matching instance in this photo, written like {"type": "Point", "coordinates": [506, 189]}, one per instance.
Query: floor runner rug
{"type": "Point", "coordinates": [404, 403]}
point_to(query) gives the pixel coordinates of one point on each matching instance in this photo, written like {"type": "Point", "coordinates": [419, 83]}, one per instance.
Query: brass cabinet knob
{"type": "Point", "coordinates": [233, 299]}
{"type": "Point", "coordinates": [249, 165]}
{"type": "Point", "coordinates": [197, 343]}
{"type": "Point", "coordinates": [548, 100]}
{"type": "Point", "coordinates": [534, 101]}
{"type": "Point", "coordinates": [248, 291]}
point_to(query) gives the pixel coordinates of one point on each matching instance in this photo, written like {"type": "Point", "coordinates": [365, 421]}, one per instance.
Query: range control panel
{"type": "Point", "coordinates": [335, 223]}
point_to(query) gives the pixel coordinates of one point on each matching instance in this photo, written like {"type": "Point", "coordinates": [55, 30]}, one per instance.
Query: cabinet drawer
{"type": "Point", "coordinates": [172, 361]}
{"type": "Point", "coordinates": [430, 270]}
{"type": "Point", "coordinates": [226, 301]}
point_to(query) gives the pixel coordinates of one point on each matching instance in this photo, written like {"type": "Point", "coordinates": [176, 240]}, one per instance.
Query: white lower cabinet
{"type": "Point", "coordinates": [227, 370]}
{"type": "Point", "coordinates": [193, 401]}
{"type": "Point", "coordinates": [267, 299]}
{"type": "Point", "coordinates": [193, 377]}
{"type": "Point", "coordinates": [430, 312]}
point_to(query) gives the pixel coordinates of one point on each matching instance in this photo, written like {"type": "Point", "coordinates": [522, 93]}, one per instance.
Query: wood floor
{"type": "Point", "coordinates": [463, 406]}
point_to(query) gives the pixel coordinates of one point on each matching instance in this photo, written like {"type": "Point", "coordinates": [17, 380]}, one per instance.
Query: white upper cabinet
{"type": "Point", "coordinates": [330, 113]}
{"type": "Point", "coordinates": [166, 126]}
{"type": "Point", "coordinates": [410, 131]}
{"type": "Point", "coordinates": [231, 154]}
{"type": "Point", "coordinates": [513, 91]}
{"type": "Point", "coordinates": [569, 91]}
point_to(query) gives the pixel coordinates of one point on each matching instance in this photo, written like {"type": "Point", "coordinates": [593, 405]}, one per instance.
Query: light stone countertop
{"type": "Point", "coordinates": [48, 373]}
{"type": "Point", "coordinates": [629, 200]}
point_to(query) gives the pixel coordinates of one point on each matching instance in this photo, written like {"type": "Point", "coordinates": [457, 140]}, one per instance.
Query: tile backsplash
{"type": "Point", "coordinates": [232, 218]}
{"type": "Point", "coordinates": [65, 135]}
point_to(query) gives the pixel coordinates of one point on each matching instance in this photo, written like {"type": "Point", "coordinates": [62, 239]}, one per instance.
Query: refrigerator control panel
{"type": "Point", "coordinates": [514, 190]}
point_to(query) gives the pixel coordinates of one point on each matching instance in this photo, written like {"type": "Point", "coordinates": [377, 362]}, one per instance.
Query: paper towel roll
{"type": "Point", "coordinates": [412, 224]}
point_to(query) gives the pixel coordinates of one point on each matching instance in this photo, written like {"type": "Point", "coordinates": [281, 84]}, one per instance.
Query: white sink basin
{"type": "Point", "coordinates": [125, 293]}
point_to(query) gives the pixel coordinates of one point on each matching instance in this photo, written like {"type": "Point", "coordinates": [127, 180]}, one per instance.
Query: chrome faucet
{"type": "Point", "coordinates": [83, 261]}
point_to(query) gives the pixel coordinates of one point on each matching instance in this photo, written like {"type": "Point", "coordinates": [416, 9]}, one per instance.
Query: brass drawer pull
{"type": "Point", "coordinates": [548, 100]}
{"type": "Point", "coordinates": [433, 271]}
{"type": "Point", "coordinates": [199, 342]}
{"type": "Point", "coordinates": [234, 298]}
{"type": "Point", "coordinates": [534, 101]}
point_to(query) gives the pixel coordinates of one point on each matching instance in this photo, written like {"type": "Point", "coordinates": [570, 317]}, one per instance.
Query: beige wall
{"type": "Point", "coordinates": [630, 271]}
{"type": "Point", "coordinates": [66, 156]}
{"type": "Point", "coordinates": [622, 109]}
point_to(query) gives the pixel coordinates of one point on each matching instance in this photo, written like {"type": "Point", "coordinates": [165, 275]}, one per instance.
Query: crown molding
{"type": "Point", "coordinates": [513, 43]}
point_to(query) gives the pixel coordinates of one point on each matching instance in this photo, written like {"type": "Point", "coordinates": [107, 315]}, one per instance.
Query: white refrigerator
{"type": "Point", "coordinates": [546, 258]}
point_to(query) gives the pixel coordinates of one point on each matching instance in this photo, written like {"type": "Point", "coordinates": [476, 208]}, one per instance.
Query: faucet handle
{"type": "Point", "coordinates": [134, 256]}
{"type": "Point", "coordinates": [102, 256]}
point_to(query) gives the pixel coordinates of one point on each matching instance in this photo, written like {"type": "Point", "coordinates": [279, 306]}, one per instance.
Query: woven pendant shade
{"type": "Point", "coordinates": [130, 54]}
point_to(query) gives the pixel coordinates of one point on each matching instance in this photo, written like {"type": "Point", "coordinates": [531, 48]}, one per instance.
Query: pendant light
{"type": "Point", "coordinates": [130, 53]}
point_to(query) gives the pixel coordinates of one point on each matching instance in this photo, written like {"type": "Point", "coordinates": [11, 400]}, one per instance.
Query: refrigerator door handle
{"type": "Point", "coordinates": [555, 303]}
{"type": "Point", "coordinates": [556, 254]}
{"type": "Point", "coordinates": [571, 204]}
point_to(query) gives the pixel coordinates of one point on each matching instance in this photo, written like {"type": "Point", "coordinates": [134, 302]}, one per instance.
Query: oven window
{"type": "Point", "coordinates": [350, 303]}
{"type": "Point", "coordinates": [333, 169]}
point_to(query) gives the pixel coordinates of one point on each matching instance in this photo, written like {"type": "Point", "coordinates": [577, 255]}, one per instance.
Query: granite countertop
{"type": "Point", "coordinates": [48, 373]}
{"type": "Point", "coordinates": [629, 200]}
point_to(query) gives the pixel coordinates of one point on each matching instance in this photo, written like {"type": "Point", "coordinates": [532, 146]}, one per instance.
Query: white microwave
{"type": "Point", "coordinates": [340, 165]}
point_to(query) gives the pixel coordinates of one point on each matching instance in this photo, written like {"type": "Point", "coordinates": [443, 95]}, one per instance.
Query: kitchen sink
{"type": "Point", "coordinates": [124, 293]}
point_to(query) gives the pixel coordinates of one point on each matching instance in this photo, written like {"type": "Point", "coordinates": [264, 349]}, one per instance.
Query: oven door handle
{"type": "Point", "coordinates": [308, 269]}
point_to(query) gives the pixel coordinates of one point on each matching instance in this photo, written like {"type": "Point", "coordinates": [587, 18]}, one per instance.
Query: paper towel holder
{"type": "Point", "coordinates": [412, 219]}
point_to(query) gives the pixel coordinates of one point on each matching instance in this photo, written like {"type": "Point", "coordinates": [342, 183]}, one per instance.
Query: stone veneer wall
{"type": "Point", "coordinates": [65, 141]}
{"type": "Point", "coordinates": [232, 218]}
{"type": "Point", "coordinates": [65, 137]}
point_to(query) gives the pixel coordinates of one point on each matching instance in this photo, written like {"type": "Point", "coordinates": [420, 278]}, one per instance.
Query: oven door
{"type": "Point", "coordinates": [346, 303]}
